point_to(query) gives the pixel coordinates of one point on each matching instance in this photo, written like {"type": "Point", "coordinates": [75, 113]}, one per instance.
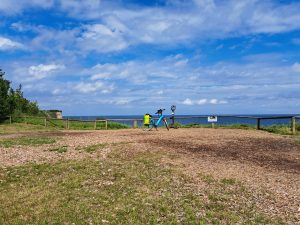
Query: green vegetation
{"type": "Point", "coordinates": [122, 189]}
{"type": "Point", "coordinates": [281, 129]}
{"type": "Point", "coordinates": [114, 125]}
{"type": "Point", "coordinates": [95, 147]}
{"type": "Point", "coordinates": [230, 126]}
{"type": "Point", "coordinates": [92, 148]}
{"type": "Point", "coordinates": [26, 141]}
{"type": "Point", "coordinates": [278, 129]}
{"type": "Point", "coordinates": [61, 149]}
{"type": "Point", "coordinates": [62, 124]}
{"type": "Point", "coordinates": [12, 102]}
{"type": "Point", "coordinates": [192, 125]}
{"type": "Point", "coordinates": [21, 128]}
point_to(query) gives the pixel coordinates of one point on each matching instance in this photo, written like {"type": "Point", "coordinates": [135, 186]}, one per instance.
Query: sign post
{"type": "Point", "coordinates": [212, 120]}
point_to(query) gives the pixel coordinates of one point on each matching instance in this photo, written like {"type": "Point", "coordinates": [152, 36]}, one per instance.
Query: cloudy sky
{"type": "Point", "coordinates": [116, 57]}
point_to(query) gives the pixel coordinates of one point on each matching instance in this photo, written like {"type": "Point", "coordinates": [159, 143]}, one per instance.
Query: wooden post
{"type": "Point", "coordinates": [10, 120]}
{"type": "Point", "coordinates": [258, 124]}
{"type": "Point", "coordinates": [293, 125]}
{"type": "Point", "coordinates": [106, 125]}
{"type": "Point", "coordinates": [212, 125]}
{"type": "Point", "coordinates": [135, 124]}
{"type": "Point", "coordinates": [95, 125]}
{"type": "Point", "coordinates": [45, 122]}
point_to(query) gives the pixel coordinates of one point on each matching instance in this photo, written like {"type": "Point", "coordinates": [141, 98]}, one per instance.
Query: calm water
{"type": "Point", "coordinates": [221, 120]}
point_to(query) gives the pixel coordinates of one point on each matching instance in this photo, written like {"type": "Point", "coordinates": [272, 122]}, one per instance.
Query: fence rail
{"type": "Point", "coordinates": [66, 121]}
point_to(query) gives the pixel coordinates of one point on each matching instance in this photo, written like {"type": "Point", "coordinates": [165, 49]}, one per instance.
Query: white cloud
{"type": "Point", "coordinates": [98, 86]}
{"type": "Point", "coordinates": [122, 102]}
{"type": "Point", "coordinates": [223, 102]}
{"type": "Point", "coordinates": [41, 71]}
{"type": "Point", "coordinates": [213, 101]}
{"type": "Point", "coordinates": [185, 21]}
{"type": "Point", "coordinates": [116, 101]}
{"type": "Point", "coordinates": [7, 44]}
{"type": "Point", "coordinates": [101, 39]}
{"type": "Point", "coordinates": [99, 76]}
{"type": "Point", "coordinates": [91, 8]}
{"type": "Point", "coordinates": [140, 72]}
{"type": "Point", "coordinates": [203, 101]}
{"type": "Point", "coordinates": [109, 26]}
{"type": "Point", "coordinates": [188, 101]}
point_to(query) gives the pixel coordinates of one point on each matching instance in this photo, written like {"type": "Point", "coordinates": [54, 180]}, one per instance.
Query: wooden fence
{"type": "Point", "coordinates": [47, 121]}
{"type": "Point", "coordinates": [135, 121]}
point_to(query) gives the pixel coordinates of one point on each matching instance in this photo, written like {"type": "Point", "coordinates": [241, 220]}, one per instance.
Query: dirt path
{"type": "Point", "coordinates": [265, 162]}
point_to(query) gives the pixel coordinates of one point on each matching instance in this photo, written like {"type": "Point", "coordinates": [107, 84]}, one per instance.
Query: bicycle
{"type": "Point", "coordinates": [154, 124]}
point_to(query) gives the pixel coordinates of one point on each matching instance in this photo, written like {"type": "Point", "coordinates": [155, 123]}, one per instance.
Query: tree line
{"type": "Point", "coordinates": [13, 102]}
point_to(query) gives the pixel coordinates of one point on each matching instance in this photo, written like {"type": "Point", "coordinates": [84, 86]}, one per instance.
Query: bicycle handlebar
{"type": "Point", "coordinates": [160, 111]}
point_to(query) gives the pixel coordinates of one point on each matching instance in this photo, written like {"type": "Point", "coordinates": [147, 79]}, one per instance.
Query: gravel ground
{"type": "Point", "coordinates": [264, 162]}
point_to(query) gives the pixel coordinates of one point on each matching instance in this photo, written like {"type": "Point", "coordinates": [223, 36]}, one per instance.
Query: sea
{"type": "Point", "coordinates": [221, 119]}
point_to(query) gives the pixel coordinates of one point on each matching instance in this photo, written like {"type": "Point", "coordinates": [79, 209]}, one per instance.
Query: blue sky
{"type": "Point", "coordinates": [105, 57]}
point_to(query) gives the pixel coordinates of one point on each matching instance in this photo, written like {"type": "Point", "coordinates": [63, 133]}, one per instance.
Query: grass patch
{"type": "Point", "coordinates": [230, 126]}
{"type": "Point", "coordinates": [92, 148]}
{"type": "Point", "coordinates": [32, 123]}
{"type": "Point", "coordinates": [95, 147]}
{"type": "Point", "coordinates": [279, 129]}
{"type": "Point", "coordinates": [238, 126]}
{"type": "Point", "coordinates": [26, 141]}
{"type": "Point", "coordinates": [120, 190]}
{"type": "Point", "coordinates": [61, 149]}
{"type": "Point", "coordinates": [228, 181]}
{"type": "Point", "coordinates": [20, 127]}
{"type": "Point", "coordinates": [207, 178]}
{"type": "Point", "coordinates": [192, 125]}
{"type": "Point", "coordinates": [114, 126]}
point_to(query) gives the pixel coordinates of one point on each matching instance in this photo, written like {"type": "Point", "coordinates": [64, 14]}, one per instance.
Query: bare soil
{"type": "Point", "coordinates": [265, 162]}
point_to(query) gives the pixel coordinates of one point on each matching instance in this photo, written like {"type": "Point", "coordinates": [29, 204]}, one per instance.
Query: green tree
{"type": "Point", "coordinates": [4, 95]}
{"type": "Point", "coordinates": [13, 101]}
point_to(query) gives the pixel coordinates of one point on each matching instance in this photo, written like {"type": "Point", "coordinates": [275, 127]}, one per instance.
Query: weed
{"type": "Point", "coordinates": [92, 148]}
{"type": "Point", "coordinates": [207, 178]}
{"type": "Point", "coordinates": [228, 181]}
{"type": "Point", "coordinates": [61, 149]}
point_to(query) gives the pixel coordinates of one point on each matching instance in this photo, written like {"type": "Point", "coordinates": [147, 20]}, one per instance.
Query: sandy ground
{"type": "Point", "coordinates": [261, 160]}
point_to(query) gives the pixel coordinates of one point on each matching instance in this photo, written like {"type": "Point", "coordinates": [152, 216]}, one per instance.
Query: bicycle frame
{"type": "Point", "coordinates": [161, 118]}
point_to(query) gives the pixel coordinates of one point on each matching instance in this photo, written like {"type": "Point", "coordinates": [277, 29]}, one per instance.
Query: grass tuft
{"type": "Point", "coordinates": [92, 148]}
{"type": "Point", "coordinates": [95, 147]}
{"type": "Point", "coordinates": [228, 181]}
{"type": "Point", "coordinates": [33, 141]}
{"type": "Point", "coordinates": [61, 149]}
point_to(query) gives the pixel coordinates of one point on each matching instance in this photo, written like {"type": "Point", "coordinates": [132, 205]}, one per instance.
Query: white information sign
{"type": "Point", "coordinates": [212, 119]}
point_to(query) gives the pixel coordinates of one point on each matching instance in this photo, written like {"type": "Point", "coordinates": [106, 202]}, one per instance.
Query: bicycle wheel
{"type": "Point", "coordinates": [151, 125]}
